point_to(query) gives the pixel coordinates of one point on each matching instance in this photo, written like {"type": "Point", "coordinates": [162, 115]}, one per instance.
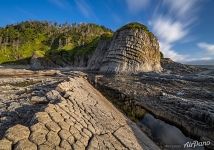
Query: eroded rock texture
{"type": "Point", "coordinates": [77, 117]}
{"type": "Point", "coordinates": [186, 101]}
{"type": "Point", "coordinates": [172, 67]}
{"type": "Point", "coordinates": [21, 98]}
{"type": "Point", "coordinates": [132, 50]}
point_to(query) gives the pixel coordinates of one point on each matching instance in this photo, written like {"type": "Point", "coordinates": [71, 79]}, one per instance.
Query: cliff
{"type": "Point", "coordinates": [99, 54]}
{"type": "Point", "coordinates": [132, 49]}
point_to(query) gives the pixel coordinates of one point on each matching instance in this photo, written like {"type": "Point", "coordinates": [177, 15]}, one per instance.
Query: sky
{"type": "Point", "coordinates": [185, 28]}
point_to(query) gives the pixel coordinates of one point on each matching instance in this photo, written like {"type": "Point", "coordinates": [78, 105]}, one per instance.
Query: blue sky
{"type": "Point", "coordinates": [185, 28]}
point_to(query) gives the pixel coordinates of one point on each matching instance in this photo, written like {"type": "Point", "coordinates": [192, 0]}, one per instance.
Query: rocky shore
{"type": "Point", "coordinates": [119, 81]}
{"type": "Point", "coordinates": [61, 112]}
{"type": "Point", "coordinates": [63, 106]}
{"type": "Point", "coordinates": [184, 100]}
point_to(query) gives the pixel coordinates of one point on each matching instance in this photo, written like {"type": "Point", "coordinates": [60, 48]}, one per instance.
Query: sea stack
{"type": "Point", "coordinates": [132, 49]}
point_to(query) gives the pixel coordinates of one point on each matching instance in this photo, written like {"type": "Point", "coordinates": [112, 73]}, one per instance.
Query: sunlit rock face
{"type": "Point", "coordinates": [132, 49]}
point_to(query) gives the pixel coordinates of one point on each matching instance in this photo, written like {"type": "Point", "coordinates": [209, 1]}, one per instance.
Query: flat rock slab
{"type": "Point", "coordinates": [24, 72]}
{"type": "Point", "coordinates": [80, 118]}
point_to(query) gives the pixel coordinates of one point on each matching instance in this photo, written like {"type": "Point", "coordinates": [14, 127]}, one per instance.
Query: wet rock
{"type": "Point", "coordinates": [163, 95]}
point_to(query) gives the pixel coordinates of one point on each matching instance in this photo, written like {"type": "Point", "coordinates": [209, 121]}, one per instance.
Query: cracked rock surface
{"type": "Point", "coordinates": [184, 100]}
{"type": "Point", "coordinates": [72, 115]}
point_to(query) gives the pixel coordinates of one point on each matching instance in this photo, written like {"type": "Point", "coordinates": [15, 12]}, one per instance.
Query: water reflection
{"type": "Point", "coordinates": [167, 135]}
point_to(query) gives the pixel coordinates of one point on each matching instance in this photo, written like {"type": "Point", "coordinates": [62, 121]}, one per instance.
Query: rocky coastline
{"type": "Point", "coordinates": [185, 101]}
{"type": "Point", "coordinates": [61, 112]}
{"type": "Point", "coordinates": [96, 103]}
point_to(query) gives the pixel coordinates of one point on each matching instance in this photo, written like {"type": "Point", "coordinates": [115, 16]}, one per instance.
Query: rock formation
{"type": "Point", "coordinates": [132, 49]}
{"type": "Point", "coordinates": [177, 68]}
{"type": "Point", "coordinates": [99, 54]}
{"type": "Point", "coordinates": [186, 101]}
{"type": "Point", "coordinates": [60, 109]}
{"type": "Point", "coordinates": [72, 115]}
{"type": "Point", "coordinates": [38, 62]}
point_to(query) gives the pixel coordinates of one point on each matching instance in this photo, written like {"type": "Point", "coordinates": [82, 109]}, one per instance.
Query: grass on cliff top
{"type": "Point", "coordinates": [137, 26]}
{"type": "Point", "coordinates": [134, 25]}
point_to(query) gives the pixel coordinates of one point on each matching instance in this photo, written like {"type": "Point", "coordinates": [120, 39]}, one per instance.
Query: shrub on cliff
{"type": "Point", "coordinates": [134, 25]}
{"type": "Point", "coordinates": [161, 55]}
{"type": "Point", "coordinates": [21, 40]}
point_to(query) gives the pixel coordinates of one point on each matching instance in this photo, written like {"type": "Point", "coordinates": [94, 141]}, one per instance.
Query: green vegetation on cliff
{"type": "Point", "coordinates": [62, 44]}
{"type": "Point", "coordinates": [20, 41]}
{"type": "Point", "coordinates": [134, 25]}
{"type": "Point", "coordinates": [137, 26]}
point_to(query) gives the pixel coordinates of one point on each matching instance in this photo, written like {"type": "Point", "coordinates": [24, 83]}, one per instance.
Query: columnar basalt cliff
{"type": "Point", "coordinates": [133, 49]}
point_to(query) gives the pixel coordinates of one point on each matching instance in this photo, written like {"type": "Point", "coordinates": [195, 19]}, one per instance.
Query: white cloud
{"type": "Point", "coordinates": [173, 25]}
{"type": "Point", "coordinates": [209, 48]}
{"type": "Point", "coordinates": [182, 8]}
{"type": "Point", "coordinates": [167, 30]}
{"type": "Point", "coordinates": [170, 53]}
{"type": "Point", "coordinates": [135, 6]}
{"type": "Point", "coordinates": [199, 59]}
{"type": "Point", "coordinates": [168, 33]}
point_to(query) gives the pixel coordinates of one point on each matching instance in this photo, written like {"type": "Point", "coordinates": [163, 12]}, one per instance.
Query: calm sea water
{"type": "Point", "coordinates": [166, 134]}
